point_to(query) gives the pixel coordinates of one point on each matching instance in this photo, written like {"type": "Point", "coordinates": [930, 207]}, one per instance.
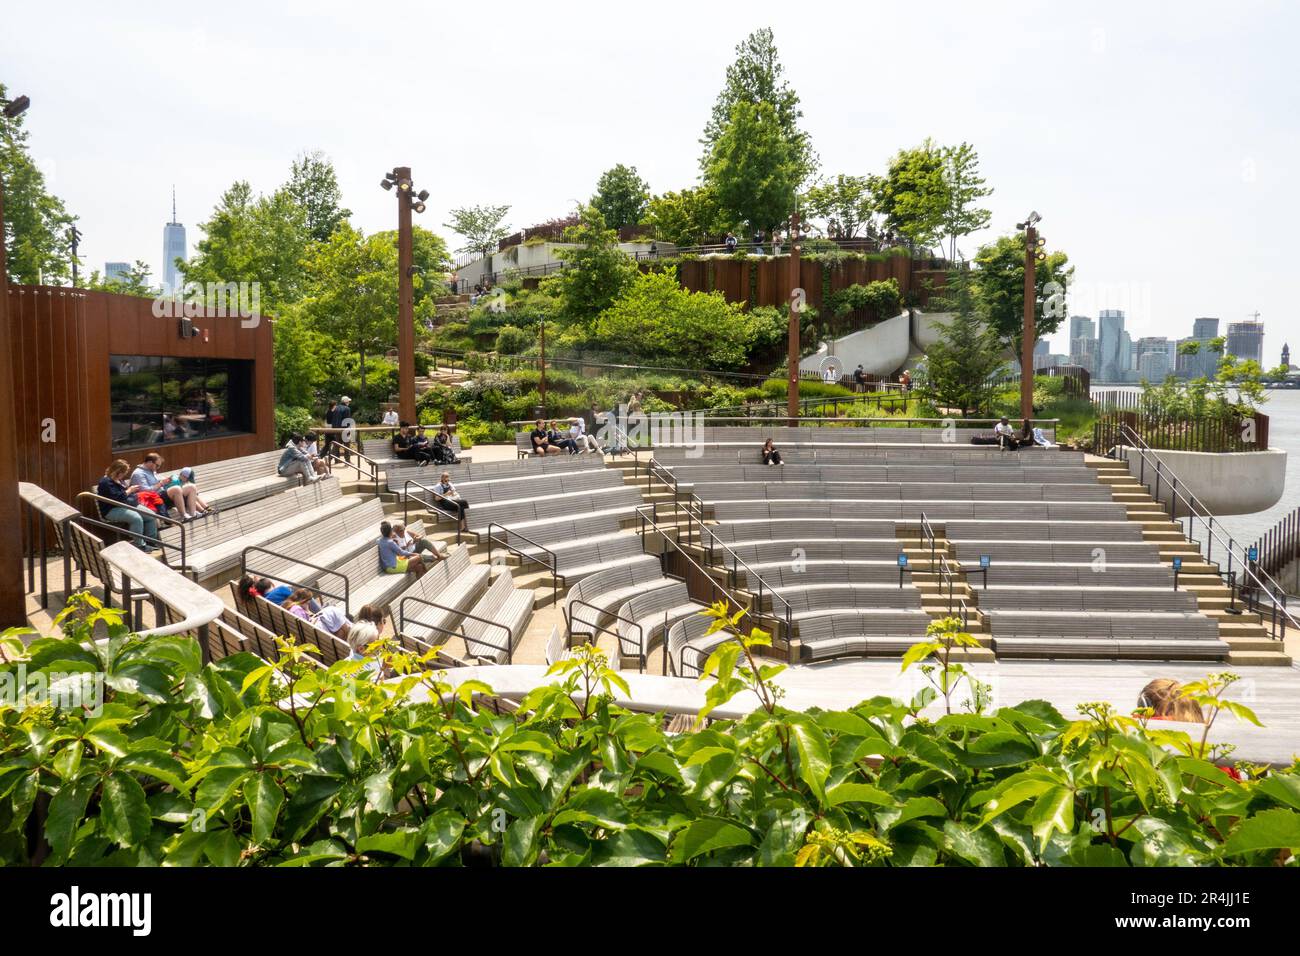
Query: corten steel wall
{"type": "Point", "coordinates": [61, 340]}
{"type": "Point", "coordinates": [732, 277]}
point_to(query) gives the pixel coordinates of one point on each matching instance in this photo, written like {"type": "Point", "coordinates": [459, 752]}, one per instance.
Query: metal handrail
{"type": "Point", "coordinates": [347, 588]}
{"type": "Point", "coordinates": [438, 513]}
{"type": "Point", "coordinates": [157, 517]}
{"type": "Point", "coordinates": [653, 519]}
{"type": "Point", "coordinates": [596, 625]}
{"type": "Point", "coordinates": [737, 563]}
{"type": "Point", "coordinates": [553, 567]}
{"type": "Point", "coordinates": [509, 645]}
{"type": "Point", "coordinates": [333, 456]}
{"type": "Point", "coordinates": [927, 531]}
{"type": "Point", "coordinates": [1262, 580]}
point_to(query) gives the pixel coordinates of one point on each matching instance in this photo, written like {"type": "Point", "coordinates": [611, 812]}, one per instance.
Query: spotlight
{"type": "Point", "coordinates": [386, 184]}
{"type": "Point", "coordinates": [404, 186]}
{"type": "Point", "coordinates": [418, 207]}
{"type": "Point", "coordinates": [392, 177]}
{"type": "Point", "coordinates": [14, 107]}
{"type": "Point", "coordinates": [424, 194]}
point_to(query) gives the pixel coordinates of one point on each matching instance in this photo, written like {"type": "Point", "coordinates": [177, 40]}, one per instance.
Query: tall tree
{"type": "Point", "coordinates": [36, 221]}
{"type": "Point", "coordinates": [621, 196]}
{"type": "Point", "coordinates": [753, 168]}
{"type": "Point", "coordinates": [757, 76]}
{"type": "Point", "coordinates": [999, 287]}
{"type": "Point", "coordinates": [687, 218]}
{"type": "Point", "coordinates": [481, 226]}
{"type": "Point", "coordinates": [958, 366]}
{"type": "Point", "coordinates": [351, 286]}
{"type": "Point", "coordinates": [961, 165]}
{"type": "Point", "coordinates": [913, 194]}
{"type": "Point", "coordinates": [844, 203]}
{"type": "Point", "coordinates": [314, 186]}
{"type": "Point", "coordinates": [598, 270]}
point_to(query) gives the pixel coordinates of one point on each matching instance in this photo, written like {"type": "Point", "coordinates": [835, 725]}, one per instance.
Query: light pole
{"type": "Point", "coordinates": [13, 603]}
{"type": "Point", "coordinates": [1033, 255]}
{"type": "Point", "coordinates": [407, 201]}
{"type": "Point", "coordinates": [796, 300]}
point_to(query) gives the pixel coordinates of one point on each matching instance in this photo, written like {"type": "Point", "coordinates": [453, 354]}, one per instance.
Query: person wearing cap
{"type": "Point", "coordinates": [183, 493]}
{"type": "Point", "coordinates": [343, 416]}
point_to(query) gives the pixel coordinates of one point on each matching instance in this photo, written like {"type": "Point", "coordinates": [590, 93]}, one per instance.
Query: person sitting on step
{"type": "Point", "coordinates": [770, 455]}
{"type": "Point", "coordinates": [393, 559]}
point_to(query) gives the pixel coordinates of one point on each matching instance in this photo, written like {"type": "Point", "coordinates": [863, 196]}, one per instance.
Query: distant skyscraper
{"type": "Point", "coordinates": [1246, 340]}
{"type": "Point", "coordinates": [1286, 355]}
{"type": "Point", "coordinates": [1083, 352]}
{"type": "Point", "coordinates": [1154, 366]}
{"type": "Point", "coordinates": [116, 270]}
{"type": "Point", "coordinates": [1112, 346]}
{"type": "Point", "coordinates": [1205, 328]}
{"type": "Point", "coordinates": [173, 249]}
{"type": "Point", "coordinates": [1041, 348]}
{"type": "Point", "coordinates": [1082, 327]}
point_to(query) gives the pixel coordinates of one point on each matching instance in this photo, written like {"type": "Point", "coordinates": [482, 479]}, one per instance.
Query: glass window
{"type": "Point", "coordinates": [155, 400]}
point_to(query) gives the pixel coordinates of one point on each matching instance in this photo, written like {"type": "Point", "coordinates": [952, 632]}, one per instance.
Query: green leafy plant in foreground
{"type": "Point", "coordinates": [245, 762]}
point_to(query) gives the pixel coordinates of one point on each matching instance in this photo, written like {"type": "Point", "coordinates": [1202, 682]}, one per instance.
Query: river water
{"type": "Point", "coordinates": [1283, 410]}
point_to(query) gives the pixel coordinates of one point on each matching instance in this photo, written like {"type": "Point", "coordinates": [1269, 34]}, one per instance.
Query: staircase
{"type": "Point", "coordinates": [1244, 632]}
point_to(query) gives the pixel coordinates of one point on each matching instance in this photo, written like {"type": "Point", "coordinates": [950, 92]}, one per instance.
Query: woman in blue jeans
{"type": "Point", "coordinates": [122, 506]}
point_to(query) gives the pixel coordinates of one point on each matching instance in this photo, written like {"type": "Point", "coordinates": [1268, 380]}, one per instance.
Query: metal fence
{"type": "Point", "coordinates": [1166, 433]}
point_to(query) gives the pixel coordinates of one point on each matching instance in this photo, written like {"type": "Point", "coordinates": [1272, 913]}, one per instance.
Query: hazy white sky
{"type": "Point", "coordinates": [1158, 141]}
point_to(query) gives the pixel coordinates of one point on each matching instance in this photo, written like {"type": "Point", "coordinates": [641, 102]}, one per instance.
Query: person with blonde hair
{"type": "Point", "coordinates": [362, 635]}
{"type": "Point", "coordinates": [1164, 696]}
{"type": "Point", "coordinates": [119, 504]}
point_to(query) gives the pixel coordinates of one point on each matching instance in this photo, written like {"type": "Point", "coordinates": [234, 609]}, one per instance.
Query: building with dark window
{"type": "Point", "coordinates": [1246, 340]}
{"type": "Point", "coordinates": [99, 376]}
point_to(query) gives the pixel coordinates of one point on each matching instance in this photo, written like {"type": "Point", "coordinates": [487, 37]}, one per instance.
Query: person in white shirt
{"type": "Point", "coordinates": [584, 441]}
{"type": "Point", "coordinates": [319, 464]}
{"type": "Point", "coordinates": [390, 417]}
{"type": "Point", "coordinates": [1006, 435]}
{"type": "Point", "coordinates": [451, 502]}
{"type": "Point", "coordinates": [415, 543]}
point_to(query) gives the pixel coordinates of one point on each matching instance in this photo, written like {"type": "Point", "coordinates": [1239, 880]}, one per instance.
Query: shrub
{"type": "Point", "coordinates": [880, 300]}
{"type": "Point", "coordinates": [511, 340]}
{"type": "Point", "coordinates": [292, 420]}
{"type": "Point", "coordinates": [290, 763]}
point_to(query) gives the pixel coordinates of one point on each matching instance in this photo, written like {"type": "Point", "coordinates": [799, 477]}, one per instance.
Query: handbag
{"type": "Point", "coordinates": [151, 500]}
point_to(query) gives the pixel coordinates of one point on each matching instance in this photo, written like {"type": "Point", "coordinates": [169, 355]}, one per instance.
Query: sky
{"type": "Point", "coordinates": [1157, 141]}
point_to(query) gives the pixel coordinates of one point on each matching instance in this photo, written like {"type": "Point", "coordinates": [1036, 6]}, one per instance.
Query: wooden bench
{"type": "Point", "coordinates": [281, 623]}
{"type": "Point", "coordinates": [494, 626]}
{"type": "Point", "coordinates": [645, 620]}
{"type": "Point", "coordinates": [591, 602]}
{"type": "Point", "coordinates": [431, 606]}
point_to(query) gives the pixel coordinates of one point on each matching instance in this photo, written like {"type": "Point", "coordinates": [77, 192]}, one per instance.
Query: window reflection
{"type": "Point", "coordinates": [155, 400]}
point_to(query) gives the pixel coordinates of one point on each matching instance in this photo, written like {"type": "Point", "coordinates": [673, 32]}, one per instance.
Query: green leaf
{"type": "Point", "coordinates": [402, 843]}
{"type": "Point", "coordinates": [814, 755]}
{"type": "Point", "coordinates": [218, 787]}
{"type": "Point", "coordinates": [265, 798]}
{"type": "Point", "coordinates": [222, 848]}
{"type": "Point", "coordinates": [519, 848]}
{"type": "Point", "coordinates": [707, 835]}
{"type": "Point", "coordinates": [1052, 811]}
{"type": "Point", "coordinates": [442, 834]}
{"type": "Point", "coordinates": [123, 810]}
{"type": "Point", "coordinates": [1275, 829]}
{"type": "Point", "coordinates": [156, 764]}
{"type": "Point", "coordinates": [629, 848]}
{"type": "Point", "coordinates": [858, 793]}
{"type": "Point", "coordinates": [975, 845]}
{"type": "Point", "coordinates": [67, 810]}
{"type": "Point", "coordinates": [1282, 787]}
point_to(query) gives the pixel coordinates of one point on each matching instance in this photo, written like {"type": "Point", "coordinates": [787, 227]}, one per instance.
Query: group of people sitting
{"type": "Point", "coordinates": [359, 633]}
{"type": "Point", "coordinates": [302, 457]}
{"type": "Point", "coordinates": [1009, 439]}
{"type": "Point", "coordinates": [402, 550]}
{"type": "Point", "coordinates": [554, 440]}
{"type": "Point", "coordinates": [135, 498]}
{"type": "Point", "coordinates": [411, 443]}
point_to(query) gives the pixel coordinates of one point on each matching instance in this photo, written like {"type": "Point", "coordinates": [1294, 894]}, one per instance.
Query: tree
{"type": "Point", "coordinates": [756, 77]}
{"type": "Point", "coordinates": [687, 218]}
{"type": "Point", "coordinates": [314, 186]}
{"type": "Point", "coordinates": [352, 291]}
{"type": "Point", "coordinates": [999, 287]}
{"type": "Point", "coordinates": [36, 221]}
{"type": "Point", "coordinates": [754, 170]}
{"type": "Point", "coordinates": [621, 196]}
{"type": "Point", "coordinates": [482, 226]}
{"type": "Point", "coordinates": [913, 194]}
{"type": "Point", "coordinates": [134, 282]}
{"type": "Point", "coordinates": [958, 366]}
{"type": "Point", "coordinates": [845, 203]}
{"type": "Point", "coordinates": [657, 319]}
{"type": "Point", "coordinates": [965, 187]}
{"type": "Point", "coordinates": [598, 271]}
{"type": "Point", "coordinates": [296, 369]}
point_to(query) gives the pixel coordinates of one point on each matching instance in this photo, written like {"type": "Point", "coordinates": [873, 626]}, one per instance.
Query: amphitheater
{"type": "Point", "coordinates": [1075, 581]}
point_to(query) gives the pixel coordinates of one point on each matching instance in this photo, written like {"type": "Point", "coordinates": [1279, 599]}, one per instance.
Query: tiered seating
{"type": "Point", "coordinates": [214, 544]}
{"type": "Point", "coordinates": [467, 472]}
{"type": "Point", "coordinates": [592, 602]}
{"type": "Point", "coordinates": [440, 598]}
{"type": "Point", "coordinates": [689, 644]}
{"type": "Point", "coordinates": [531, 506]}
{"type": "Point", "coordinates": [281, 623]}
{"type": "Point", "coordinates": [495, 624]}
{"type": "Point", "coordinates": [380, 451]}
{"type": "Point", "coordinates": [1069, 574]}
{"type": "Point", "coordinates": [240, 481]}
{"type": "Point", "coordinates": [645, 619]}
